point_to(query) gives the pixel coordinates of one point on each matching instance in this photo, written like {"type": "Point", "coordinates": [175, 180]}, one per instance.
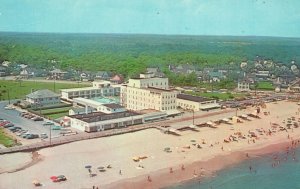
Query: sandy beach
{"type": "Point", "coordinates": [157, 168]}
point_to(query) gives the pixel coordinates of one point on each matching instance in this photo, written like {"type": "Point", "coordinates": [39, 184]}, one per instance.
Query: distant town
{"type": "Point", "coordinates": [46, 108]}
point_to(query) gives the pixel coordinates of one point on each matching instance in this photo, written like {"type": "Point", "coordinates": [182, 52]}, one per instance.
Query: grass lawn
{"type": "Point", "coordinates": [18, 90]}
{"type": "Point", "coordinates": [58, 115]}
{"type": "Point", "coordinates": [221, 96]}
{"type": "Point", "coordinates": [264, 85]}
{"type": "Point", "coordinates": [6, 140]}
{"type": "Point", "coordinates": [49, 111]}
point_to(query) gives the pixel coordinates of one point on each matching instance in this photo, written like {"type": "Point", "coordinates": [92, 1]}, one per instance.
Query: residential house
{"type": "Point", "coordinates": [3, 71]}
{"type": "Point", "coordinates": [117, 79]}
{"type": "Point", "coordinates": [43, 97]}
{"type": "Point", "coordinates": [243, 85]}
{"type": "Point", "coordinates": [25, 74]}
{"type": "Point", "coordinates": [57, 74]}
{"type": "Point", "coordinates": [157, 72]}
{"type": "Point", "coordinates": [294, 86]}
{"type": "Point", "coordinates": [215, 76]}
{"type": "Point", "coordinates": [103, 75]}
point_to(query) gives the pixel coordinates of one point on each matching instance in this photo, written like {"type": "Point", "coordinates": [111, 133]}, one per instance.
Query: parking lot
{"type": "Point", "coordinates": [33, 127]}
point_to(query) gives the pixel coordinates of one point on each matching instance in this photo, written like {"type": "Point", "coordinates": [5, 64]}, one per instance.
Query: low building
{"type": "Point", "coordinates": [100, 88]}
{"type": "Point", "coordinates": [107, 107]}
{"type": "Point", "coordinates": [243, 86]}
{"type": "Point", "coordinates": [196, 103]}
{"type": "Point", "coordinates": [100, 121]}
{"type": "Point", "coordinates": [81, 110]}
{"type": "Point", "coordinates": [43, 97]}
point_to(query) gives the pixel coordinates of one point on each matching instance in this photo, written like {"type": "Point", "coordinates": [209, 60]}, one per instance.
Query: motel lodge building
{"type": "Point", "coordinates": [99, 88]}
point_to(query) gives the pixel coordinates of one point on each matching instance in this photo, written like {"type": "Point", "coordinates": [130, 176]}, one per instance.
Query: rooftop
{"type": "Point", "coordinates": [192, 98]}
{"type": "Point", "coordinates": [79, 89]}
{"type": "Point", "coordinates": [158, 90]}
{"type": "Point", "coordinates": [113, 106]}
{"type": "Point", "coordinates": [101, 116]}
{"type": "Point", "coordinates": [45, 93]}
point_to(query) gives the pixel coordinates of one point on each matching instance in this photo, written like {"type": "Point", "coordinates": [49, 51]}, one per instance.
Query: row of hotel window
{"type": "Point", "coordinates": [158, 102]}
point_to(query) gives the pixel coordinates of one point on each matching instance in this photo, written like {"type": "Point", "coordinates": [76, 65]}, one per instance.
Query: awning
{"type": "Point", "coordinates": [225, 119]}
{"type": "Point", "coordinates": [172, 112]}
{"type": "Point", "coordinates": [209, 106]}
{"type": "Point", "coordinates": [210, 123]}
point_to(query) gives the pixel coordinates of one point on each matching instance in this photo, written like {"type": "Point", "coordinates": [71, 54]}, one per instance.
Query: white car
{"type": "Point", "coordinates": [8, 108]}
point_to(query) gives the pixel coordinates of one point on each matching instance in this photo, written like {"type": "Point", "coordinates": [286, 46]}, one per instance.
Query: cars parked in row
{"type": "Point", "coordinates": [31, 116]}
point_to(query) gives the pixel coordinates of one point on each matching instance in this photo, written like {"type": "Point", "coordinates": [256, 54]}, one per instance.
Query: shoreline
{"type": "Point", "coordinates": [211, 149]}
{"type": "Point", "coordinates": [204, 169]}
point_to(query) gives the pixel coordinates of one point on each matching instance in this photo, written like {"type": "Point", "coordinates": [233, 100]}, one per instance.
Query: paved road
{"type": "Point", "coordinates": [34, 127]}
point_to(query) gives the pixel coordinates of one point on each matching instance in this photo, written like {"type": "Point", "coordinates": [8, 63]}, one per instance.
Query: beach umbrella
{"type": "Point", "coordinates": [88, 166]}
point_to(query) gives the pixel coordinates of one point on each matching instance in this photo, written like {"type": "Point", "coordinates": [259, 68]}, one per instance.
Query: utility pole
{"type": "Point", "coordinates": [193, 117]}
{"type": "Point", "coordinates": [8, 96]}
{"type": "Point", "coordinates": [50, 127]}
{"type": "Point", "coordinates": [54, 84]}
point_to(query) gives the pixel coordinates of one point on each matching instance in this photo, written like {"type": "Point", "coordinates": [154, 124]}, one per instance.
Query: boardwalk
{"type": "Point", "coordinates": [86, 136]}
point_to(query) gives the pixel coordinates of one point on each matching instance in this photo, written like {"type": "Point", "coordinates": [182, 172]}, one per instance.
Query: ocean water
{"type": "Point", "coordinates": [265, 173]}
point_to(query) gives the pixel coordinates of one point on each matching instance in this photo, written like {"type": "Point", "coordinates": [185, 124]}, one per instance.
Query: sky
{"type": "Point", "coordinates": [180, 17]}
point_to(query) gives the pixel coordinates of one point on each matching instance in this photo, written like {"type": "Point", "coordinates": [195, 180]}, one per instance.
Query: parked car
{"type": "Point", "coordinates": [8, 125]}
{"type": "Point", "coordinates": [38, 119]}
{"type": "Point", "coordinates": [44, 136]}
{"type": "Point", "coordinates": [56, 127]}
{"type": "Point", "coordinates": [32, 136]}
{"type": "Point", "coordinates": [48, 123]}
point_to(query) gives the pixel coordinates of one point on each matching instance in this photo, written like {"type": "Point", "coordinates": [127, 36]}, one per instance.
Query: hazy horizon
{"type": "Point", "coordinates": [265, 18]}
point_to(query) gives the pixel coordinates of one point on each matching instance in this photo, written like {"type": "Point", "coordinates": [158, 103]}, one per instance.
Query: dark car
{"type": "Point", "coordinates": [38, 119]}
{"type": "Point", "coordinates": [32, 136]}
{"type": "Point", "coordinates": [8, 125]}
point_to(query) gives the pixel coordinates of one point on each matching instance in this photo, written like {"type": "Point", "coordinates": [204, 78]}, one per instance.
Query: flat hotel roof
{"type": "Point", "coordinates": [101, 116]}
{"type": "Point", "coordinates": [192, 98]}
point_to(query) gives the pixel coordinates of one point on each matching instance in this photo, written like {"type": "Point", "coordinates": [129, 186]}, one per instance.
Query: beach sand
{"type": "Point", "coordinates": [186, 163]}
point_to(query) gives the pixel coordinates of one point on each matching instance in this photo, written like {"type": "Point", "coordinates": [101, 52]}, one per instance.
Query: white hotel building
{"type": "Point", "coordinates": [148, 92]}
{"type": "Point", "coordinates": [99, 88]}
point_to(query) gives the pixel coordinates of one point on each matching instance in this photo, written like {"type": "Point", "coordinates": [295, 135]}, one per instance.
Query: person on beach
{"type": "Point", "coordinates": [247, 155]}
{"type": "Point", "coordinates": [222, 148]}
{"type": "Point", "coordinates": [120, 172]}
{"type": "Point", "coordinates": [171, 170]}
{"type": "Point", "coordinates": [182, 167]}
{"type": "Point", "coordinates": [149, 179]}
